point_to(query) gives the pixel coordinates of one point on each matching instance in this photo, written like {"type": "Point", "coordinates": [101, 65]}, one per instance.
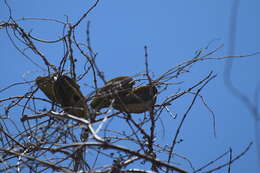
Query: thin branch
{"type": "Point", "coordinates": [231, 161]}
{"type": "Point", "coordinates": [207, 79]}
{"type": "Point", "coordinates": [120, 148]}
{"type": "Point", "coordinates": [48, 164]}
{"type": "Point", "coordinates": [85, 15]}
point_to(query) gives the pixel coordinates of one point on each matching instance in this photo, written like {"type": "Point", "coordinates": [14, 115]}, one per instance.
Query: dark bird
{"type": "Point", "coordinates": [46, 83]}
{"type": "Point", "coordinates": [138, 100]}
{"type": "Point", "coordinates": [113, 88]}
{"type": "Point", "coordinates": [68, 94]}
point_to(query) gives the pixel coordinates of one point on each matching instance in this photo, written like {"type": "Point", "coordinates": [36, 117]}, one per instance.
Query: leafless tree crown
{"type": "Point", "coordinates": [41, 133]}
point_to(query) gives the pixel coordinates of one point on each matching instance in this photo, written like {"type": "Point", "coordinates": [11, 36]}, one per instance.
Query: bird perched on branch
{"type": "Point", "coordinates": [120, 94]}
{"type": "Point", "coordinates": [120, 83]}
{"type": "Point", "coordinates": [68, 94]}
{"type": "Point", "coordinates": [113, 88]}
{"type": "Point", "coordinates": [138, 100]}
{"type": "Point", "coordinates": [46, 83]}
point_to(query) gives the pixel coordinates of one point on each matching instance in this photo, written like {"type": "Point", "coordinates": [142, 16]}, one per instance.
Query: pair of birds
{"type": "Point", "coordinates": [118, 93]}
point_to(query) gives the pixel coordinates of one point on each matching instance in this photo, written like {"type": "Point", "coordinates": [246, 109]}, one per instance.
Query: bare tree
{"type": "Point", "coordinates": [77, 131]}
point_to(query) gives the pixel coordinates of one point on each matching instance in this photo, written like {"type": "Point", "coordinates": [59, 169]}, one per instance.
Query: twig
{"type": "Point", "coordinates": [120, 148]}
{"type": "Point", "coordinates": [231, 161]}
{"type": "Point", "coordinates": [207, 79]}
{"type": "Point", "coordinates": [85, 15]}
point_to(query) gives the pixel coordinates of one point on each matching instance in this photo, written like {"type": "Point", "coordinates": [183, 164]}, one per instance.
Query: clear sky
{"type": "Point", "coordinates": [173, 30]}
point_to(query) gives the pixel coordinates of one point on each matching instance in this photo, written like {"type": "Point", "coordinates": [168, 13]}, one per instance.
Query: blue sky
{"type": "Point", "coordinates": [173, 32]}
